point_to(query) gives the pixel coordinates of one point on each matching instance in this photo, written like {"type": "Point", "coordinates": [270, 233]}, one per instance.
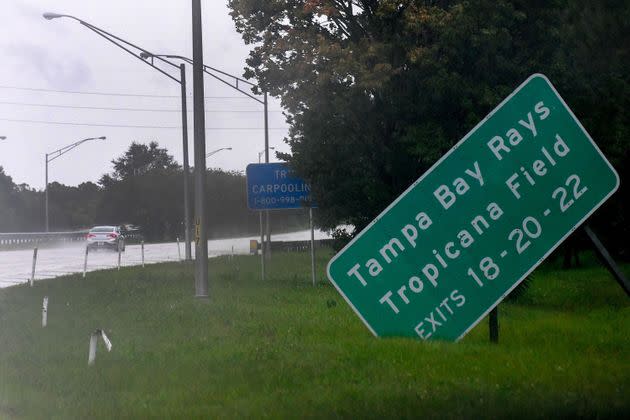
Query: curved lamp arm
{"type": "Point", "coordinates": [119, 42]}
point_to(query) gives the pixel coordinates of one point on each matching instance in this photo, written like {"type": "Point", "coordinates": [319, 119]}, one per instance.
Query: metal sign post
{"type": "Point", "coordinates": [262, 246]}
{"type": "Point", "coordinates": [493, 324]}
{"type": "Point", "coordinates": [610, 264]}
{"type": "Point", "coordinates": [459, 239]}
{"type": "Point", "coordinates": [310, 218]}
{"type": "Point", "coordinates": [272, 186]}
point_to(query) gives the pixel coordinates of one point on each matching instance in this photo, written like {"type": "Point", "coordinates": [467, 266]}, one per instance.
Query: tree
{"type": "Point", "coordinates": [73, 207]}
{"type": "Point", "coordinates": [21, 208]}
{"type": "Point", "coordinates": [143, 189]}
{"type": "Point", "coordinates": [377, 90]}
{"type": "Point", "coordinates": [9, 209]}
{"type": "Point", "coordinates": [140, 159]}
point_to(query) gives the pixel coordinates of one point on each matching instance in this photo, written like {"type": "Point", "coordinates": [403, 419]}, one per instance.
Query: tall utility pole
{"type": "Point", "coordinates": [268, 225]}
{"type": "Point", "coordinates": [201, 237]}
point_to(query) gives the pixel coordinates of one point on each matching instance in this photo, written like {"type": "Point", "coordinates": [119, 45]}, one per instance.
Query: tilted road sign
{"type": "Point", "coordinates": [459, 239]}
{"type": "Point", "coordinates": [272, 186]}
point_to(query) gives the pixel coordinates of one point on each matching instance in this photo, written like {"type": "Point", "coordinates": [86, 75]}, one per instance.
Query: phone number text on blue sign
{"type": "Point", "coordinates": [272, 186]}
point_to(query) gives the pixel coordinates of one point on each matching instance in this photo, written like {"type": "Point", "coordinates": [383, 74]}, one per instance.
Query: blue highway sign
{"type": "Point", "coordinates": [272, 186]}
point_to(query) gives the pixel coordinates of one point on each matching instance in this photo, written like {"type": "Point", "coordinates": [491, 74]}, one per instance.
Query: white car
{"type": "Point", "coordinates": [106, 237]}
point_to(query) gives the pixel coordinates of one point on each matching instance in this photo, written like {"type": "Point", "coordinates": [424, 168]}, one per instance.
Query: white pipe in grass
{"type": "Point", "coordinates": [87, 250]}
{"type": "Point", "coordinates": [45, 312]}
{"type": "Point", "coordinates": [93, 343]}
{"type": "Point", "coordinates": [108, 344]}
{"type": "Point", "coordinates": [92, 351]}
{"type": "Point", "coordinates": [34, 266]}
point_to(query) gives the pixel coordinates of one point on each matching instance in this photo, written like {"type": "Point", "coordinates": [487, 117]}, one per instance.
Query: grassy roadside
{"type": "Point", "coordinates": [286, 349]}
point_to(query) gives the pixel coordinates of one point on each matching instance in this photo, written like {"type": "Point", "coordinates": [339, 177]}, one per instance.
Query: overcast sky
{"type": "Point", "coordinates": [63, 55]}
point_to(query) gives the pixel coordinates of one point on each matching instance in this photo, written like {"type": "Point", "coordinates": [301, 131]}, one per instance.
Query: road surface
{"type": "Point", "coordinates": [16, 266]}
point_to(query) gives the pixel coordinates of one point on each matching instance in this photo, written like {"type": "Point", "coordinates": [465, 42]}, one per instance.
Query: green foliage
{"type": "Point", "coordinates": [72, 206]}
{"type": "Point", "coordinates": [377, 90]}
{"type": "Point", "coordinates": [341, 238]}
{"type": "Point", "coordinates": [520, 290]}
{"type": "Point", "coordinates": [8, 195]}
{"type": "Point", "coordinates": [145, 189]}
{"type": "Point", "coordinates": [140, 159]}
{"type": "Point", "coordinates": [285, 349]}
{"type": "Point", "coordinates": [19, 205]}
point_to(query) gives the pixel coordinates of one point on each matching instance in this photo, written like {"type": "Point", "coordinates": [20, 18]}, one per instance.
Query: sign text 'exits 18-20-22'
{"type": "Point", "coordinates": [459, 239]}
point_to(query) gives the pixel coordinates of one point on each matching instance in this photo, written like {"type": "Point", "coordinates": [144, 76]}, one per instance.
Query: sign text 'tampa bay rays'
{"type": "Point", "coordinates": [468, 231]}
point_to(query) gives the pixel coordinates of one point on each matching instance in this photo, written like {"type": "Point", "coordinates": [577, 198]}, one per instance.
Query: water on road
{"type": "Point", "coordinates": [16, 266]}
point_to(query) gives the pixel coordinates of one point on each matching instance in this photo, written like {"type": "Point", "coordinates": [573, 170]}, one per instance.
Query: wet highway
{"type": "Point", "coordinates": [16, 266]}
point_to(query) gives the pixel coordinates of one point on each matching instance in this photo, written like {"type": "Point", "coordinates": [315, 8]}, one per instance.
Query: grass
{"type": "Point", "coordinates": [285, 349]}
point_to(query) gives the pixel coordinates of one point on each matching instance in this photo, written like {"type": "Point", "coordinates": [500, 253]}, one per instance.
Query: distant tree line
{"type": "Point", "coordinates": [144, 189]}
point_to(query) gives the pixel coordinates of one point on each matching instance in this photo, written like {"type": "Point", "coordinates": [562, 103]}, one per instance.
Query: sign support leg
{"type": "Point", "coordinates": [268, 228]}
{"type": "Point", "coordinates": [310, 216]}
{"type": "Point", "coordinates": [262, 246]}
{"type": "Point", "coordinates": [493, 323]}
{"type": "Point", "coordinates": [608, 261]}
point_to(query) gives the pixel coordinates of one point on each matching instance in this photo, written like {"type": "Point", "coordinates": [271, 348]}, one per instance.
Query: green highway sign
{"type": "Point", "coordinates": [459, 239]}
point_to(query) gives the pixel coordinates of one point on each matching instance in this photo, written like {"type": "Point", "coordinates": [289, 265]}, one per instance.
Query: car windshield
{"type": "Point", "coordinates": [102, 229]}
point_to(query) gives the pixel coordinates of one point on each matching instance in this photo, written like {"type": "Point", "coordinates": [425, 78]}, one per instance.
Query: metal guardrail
{"type": "Point", "coordinates": [21, 240]}
{"type": "Point", "coordinates": [292, 246]}
{"type": "Point", "coordinates": [28, 239]}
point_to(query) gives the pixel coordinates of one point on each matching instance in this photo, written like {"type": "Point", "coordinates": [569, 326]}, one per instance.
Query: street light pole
{"type": "Point", "coordinates": [142, 56]}
{"type": "Point", "coordinates": [214, 152]}
{"type": "Point", "coordinates": [46, 195]}
{"type": "Point", "coordinates": [201, 239]}
{"type": "Point", "coordinates": [57, 154]}
{"type": "Point", "coordinates": [210, 71]}
{"type": "Point", "coordinates": [187, 246]}
{"type": "Point", "coordinates": [262, 152]}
